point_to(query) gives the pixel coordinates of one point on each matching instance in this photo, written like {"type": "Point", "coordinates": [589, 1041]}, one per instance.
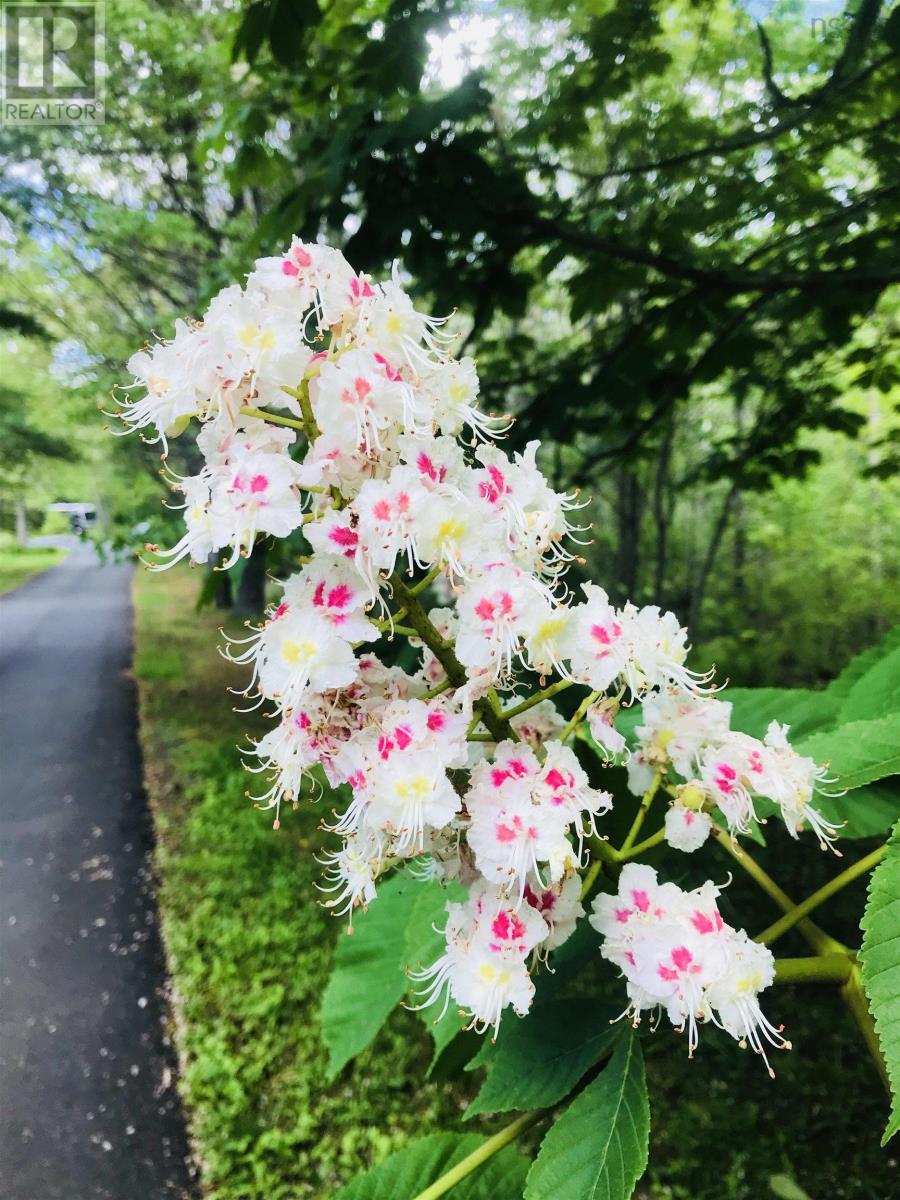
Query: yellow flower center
{"type": "Point", "coordinates": [417, 787]}
{"type": "Point", "coordinates": [451, 530]}
{"type": "Point", "coordinates": [488, 973]}
{"type": "Point", "coordinates": [250, 336]}
{"type": "Point", "coordinates": [550, 629]}
{"type": "Point", "coordinates": [297, 654]}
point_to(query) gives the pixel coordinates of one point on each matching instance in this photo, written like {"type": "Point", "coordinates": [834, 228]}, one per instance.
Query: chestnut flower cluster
{"type": "Point", "coordinates": [691, 737]}
{"type": "Point", "coordinates": [329, 403]}
{"type": "Point", "coordinates": [679, 956]}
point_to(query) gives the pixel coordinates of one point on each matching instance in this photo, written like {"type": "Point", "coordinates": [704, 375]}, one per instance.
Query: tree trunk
{"type": "Point", "coordinates": [630, 511]}
{"type": "Point", "coordinates": [662, 510]}
{"type": "Point", "coordinates": [739, 558]}
{"type": "Point", "coordinates": [251, 593]}
{"type": "Point", "coordinates": [699, 592]}
{"type": "Point", "coordinates": [224, 597]}
{"type": "Point", "coordinates": [21, 523]}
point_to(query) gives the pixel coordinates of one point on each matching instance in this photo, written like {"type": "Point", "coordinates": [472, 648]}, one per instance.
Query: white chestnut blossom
{"type": "Point", "coordinates": [687, 829]}
{"type": "Point", "coordinates": [678, 955]}
{"type": "Point", "coordinates": [328, 409]}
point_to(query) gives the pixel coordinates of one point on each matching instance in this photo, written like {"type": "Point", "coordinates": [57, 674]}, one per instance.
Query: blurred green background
{"type": "Point", "coordinates": [670, 232]}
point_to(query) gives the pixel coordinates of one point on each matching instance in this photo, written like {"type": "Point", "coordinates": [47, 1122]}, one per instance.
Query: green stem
{"type": "Point", "coordinates": [774, 931]}
{"type": "Point", "coordinates": [481, 1154]}
{"type": "Point", "coordinates": [604, 850]}
{"type": "Point", "coordinates": [647, 844]}
{"type": "Point", "coordinates": [817, 938]}
{"type": "Point", "coordinates": [391, 628]}
{"type": "Point", "coordinates": [429, 579]}
{"type": "Point", "coordinates": [578, 715]}
{"type": "Point", "coordinates": [538, 697]}
{"type": "Point", "coordinates": [641, 813]}
{"type": "Point", "coordinates": [247, 411]}
{"type": "Point", "coordinates": [301, 395]}
{"type": "Point", "coordinates": [820, 968]}
{"type": "Point", "coordinates": [590, 877]}
{"type": "Point", "coordinates": [855, 999]}
{"type": "Point", "coordinates": [437, 690]}
{"type": "Point", "coordinates": [833, 961]}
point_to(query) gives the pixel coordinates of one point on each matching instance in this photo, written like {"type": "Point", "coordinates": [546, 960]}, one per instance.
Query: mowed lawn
{"type": "Point", "coordinates": [19, 563]}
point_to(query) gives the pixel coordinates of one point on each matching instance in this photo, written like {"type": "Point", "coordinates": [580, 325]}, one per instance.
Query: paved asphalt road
{"type": "Point", "coordinates": [88, 1106]}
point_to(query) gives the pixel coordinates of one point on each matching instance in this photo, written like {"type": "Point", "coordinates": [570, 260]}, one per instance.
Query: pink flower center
{"type": "Point", "coordinates": [507, 926]}
{"type": "Point", "coordinates": [641, 900]}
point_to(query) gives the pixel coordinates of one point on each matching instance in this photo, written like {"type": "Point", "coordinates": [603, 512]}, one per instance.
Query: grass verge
{"type": "Point", "coordinates": [20, 563]}
{"type": "Point", "coordinates": [248, 948]}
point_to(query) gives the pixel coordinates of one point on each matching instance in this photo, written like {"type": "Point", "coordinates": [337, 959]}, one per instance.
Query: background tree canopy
{"type": "Point", "coordinates": [671, 229]}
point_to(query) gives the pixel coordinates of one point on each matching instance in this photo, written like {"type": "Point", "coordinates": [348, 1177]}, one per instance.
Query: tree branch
{"type": "Point", "coordinates": [789, 920]}
{"type": "Point", "coordinates": [726, 282]}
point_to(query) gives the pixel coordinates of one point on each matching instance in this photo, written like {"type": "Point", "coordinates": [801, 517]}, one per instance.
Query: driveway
{"type": "Point", "coordinates": [88, 1106]}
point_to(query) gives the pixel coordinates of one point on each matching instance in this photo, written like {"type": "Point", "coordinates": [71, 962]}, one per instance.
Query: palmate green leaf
{"type": "Point", "coordinates": [598, 1147]}
{"type": "Point", "coordinates": [805, 711]}
{"type": "Point", "coordinates": [866, 811]}
{"type": "Point", "coordinates": [858, 753]}
{"type": "Point", "coordinates": [367, 980]}
{"type": "Point", "coordinates": [537, 1061]}
{"type": "Point", "coordinates": [862, 663]}
{"type": "Point", "coordinates": [369, 974]}
{"type": "Point", "coordinates": [880, 958]}
{"type": "Point", "coordinates": [423, 945]}
{"type": "Point", "coordinates": [877, 692]}
{"type": "Point", "coordinates": [565, 963]}
{"type": "Point", "coordinates": [409, 1171]}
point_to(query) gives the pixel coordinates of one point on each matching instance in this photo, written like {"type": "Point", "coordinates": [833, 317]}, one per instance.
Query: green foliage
{"type": "Point", "coordinates": [370, 974]}
{"type": "Point", "coordinates": [856, 730]}
{"type": "Point", "coordinates": [536, 1063]}
{"type": "Point", "coordinates": [805, 711]}
{"type": "Point", "coordinates": [876, 692]}
{"type": "Point", "coordinates": [881, 966]}
{"type": "Point", "coordinates": [21, 440]}
{"type": "Point", "coordinates": [807, 577]}
{"type": "Point", "coordinates": [423, 945]}
{"type": "Point", "coordinates": [367, 980]}
{"type": "Point", "coordinates": [784, 1188]}
{"type": "Point", "coordinates": [673, 244]}
{"type": "Point", "coordinates": [598, 1146]}
{"type": "Point", "coordinates": [404, 1174]}
{"type": "Point", "coordinates": [861, 664]}
{"type": "Point", "coordinates": [868, 811]}
{"type": "Point", "coordinates": [161, 664]}
{"type": "Point", "coordinates": [250, 955]}
{"type": "Point", "coordinates": [679, 358]}
{"type": "Point", "coordinates": [859, 752]}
